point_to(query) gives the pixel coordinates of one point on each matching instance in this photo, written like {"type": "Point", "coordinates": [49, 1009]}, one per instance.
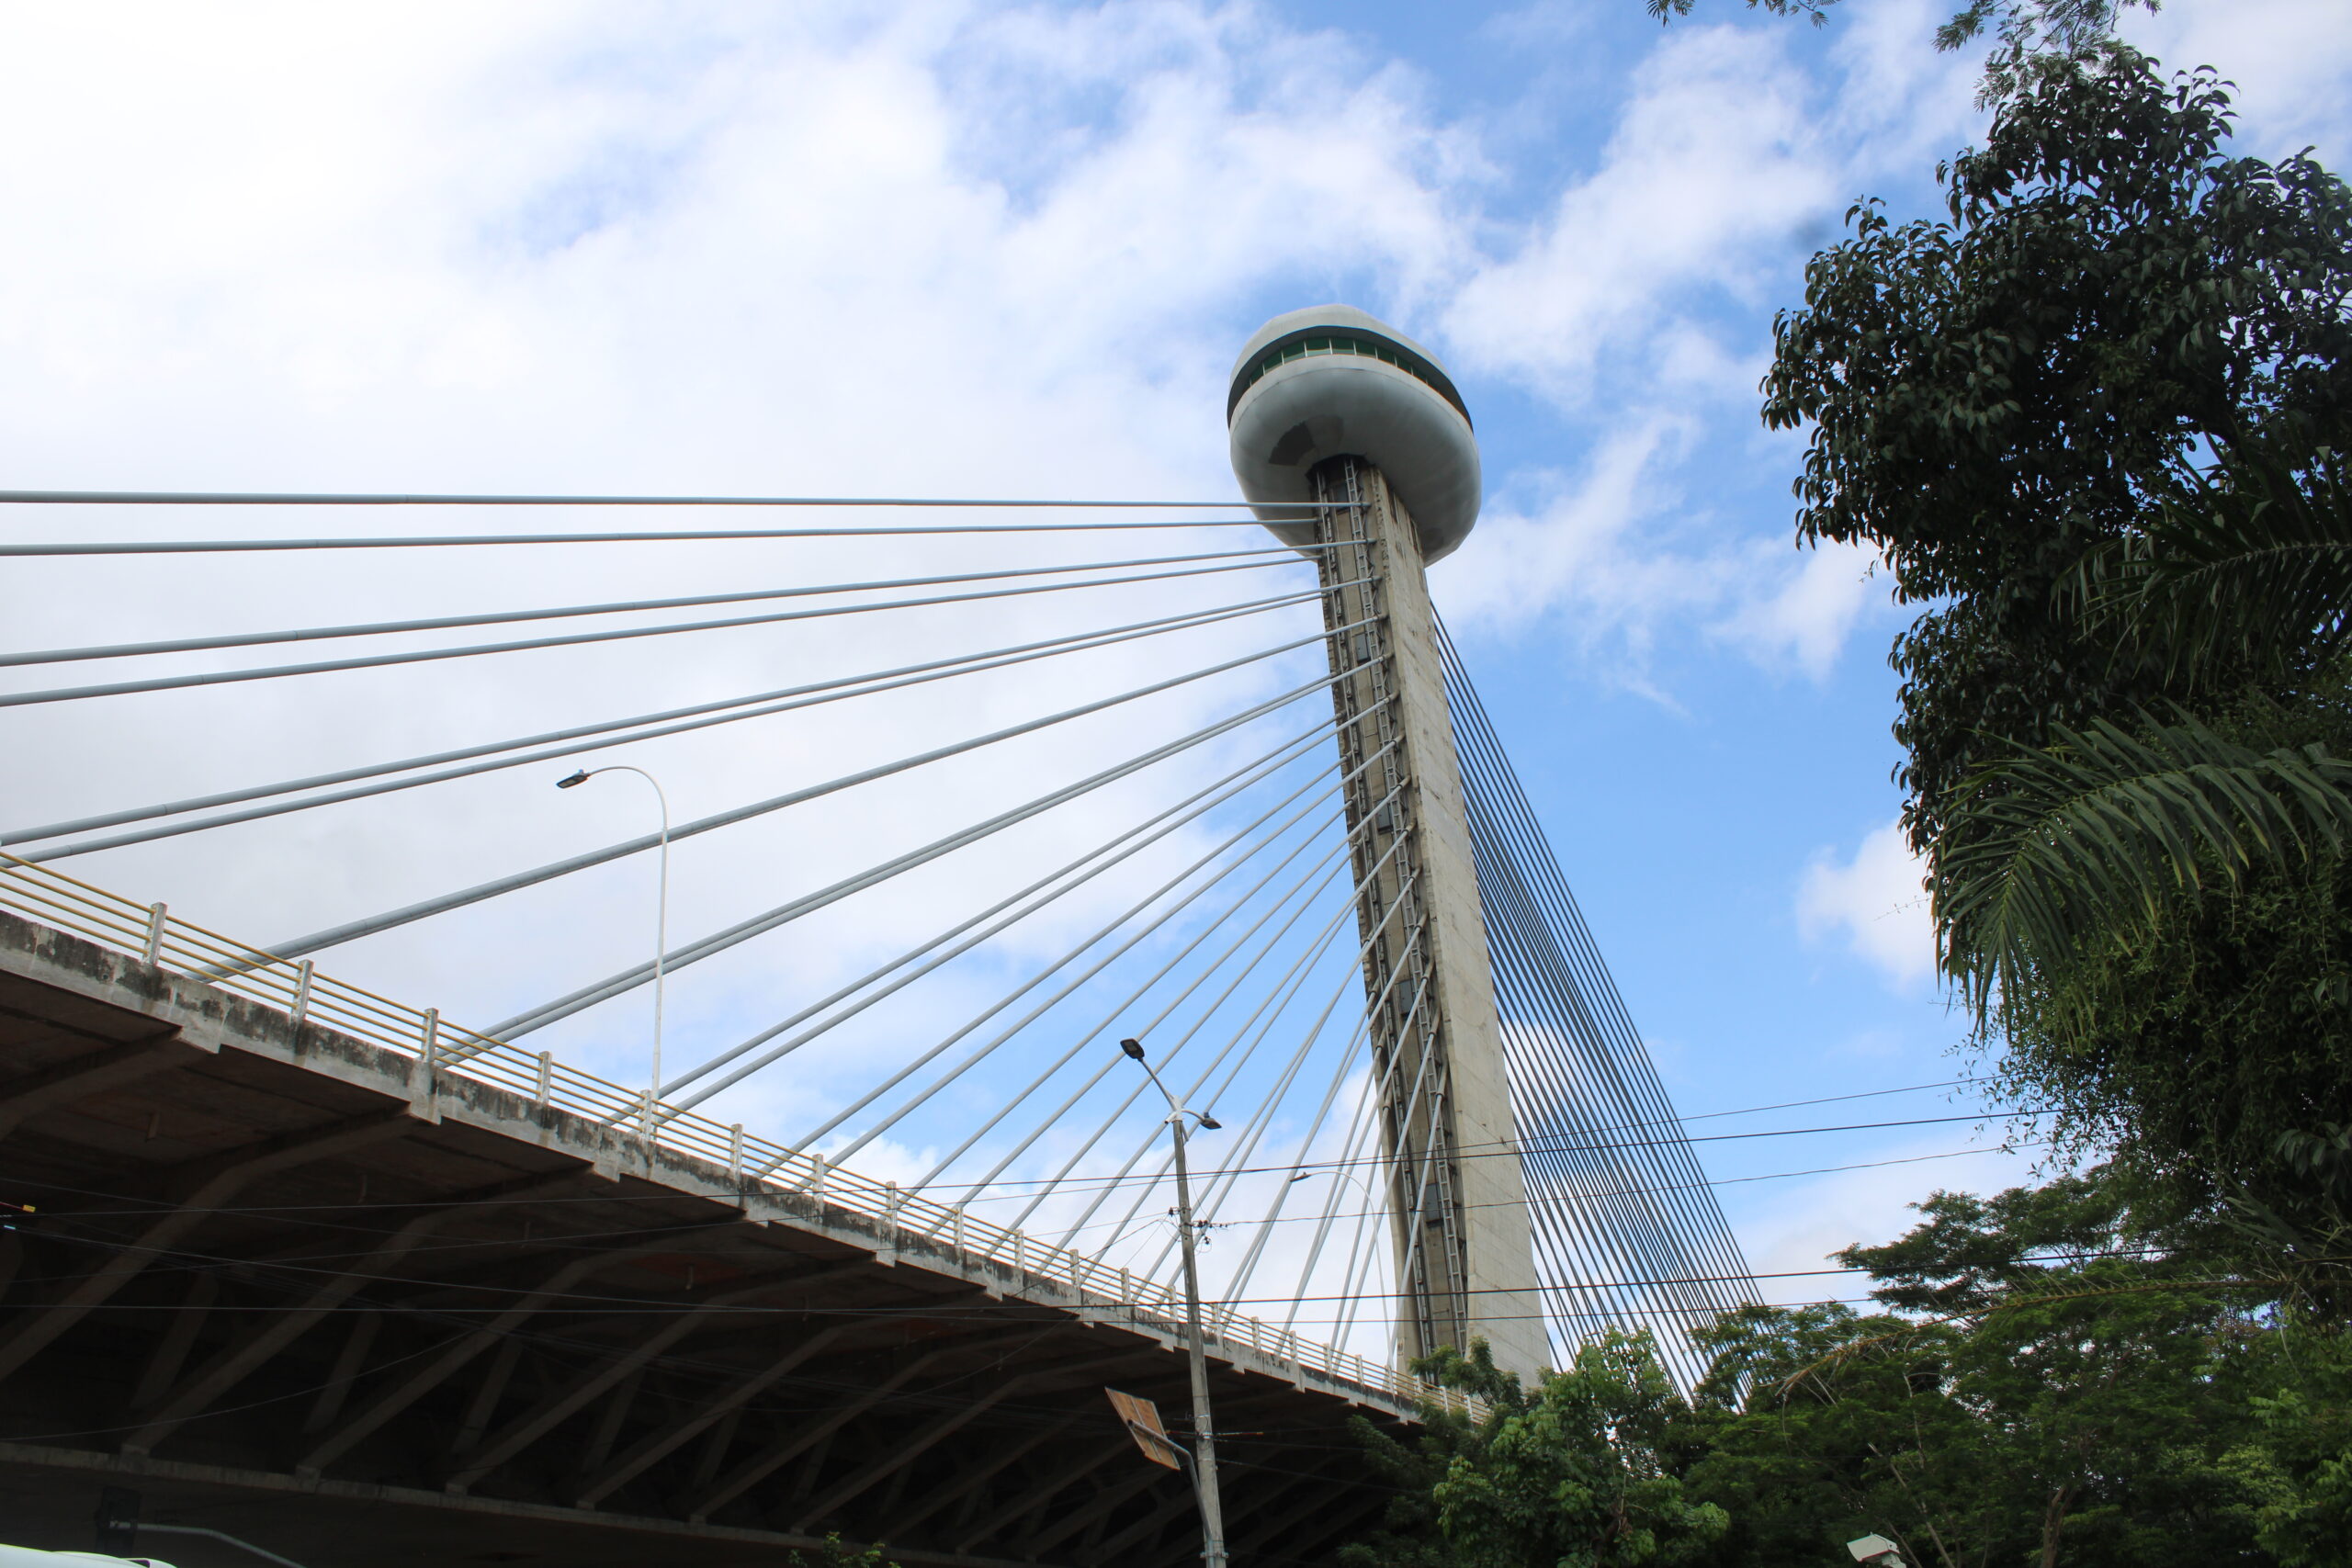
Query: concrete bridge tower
{"type": "Point", "coordinates": [1330, 405]}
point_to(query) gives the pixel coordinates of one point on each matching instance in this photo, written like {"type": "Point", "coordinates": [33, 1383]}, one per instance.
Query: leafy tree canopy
{"type": "Point", "coordinates": [2090, 422]}
{"type": "Point", "coordinates": [1568, 1476]}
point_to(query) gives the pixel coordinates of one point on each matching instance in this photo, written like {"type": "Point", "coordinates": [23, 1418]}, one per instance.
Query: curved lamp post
{"type": "Point", "coordinates": [660, 917]}
{"type": "Point", "coordinates": [1203, 1428]}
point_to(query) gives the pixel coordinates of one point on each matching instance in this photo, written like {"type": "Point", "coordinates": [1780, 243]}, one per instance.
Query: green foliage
{"type": "Point", "coordinates": [1574, 1480]}
{"type": "Point", "coordinates": [2024, 30]}
{"type": "Point", "coordinates": [1994, 396]}
{"type": "Point", "coordinates": [2091, 424]}
{"type": "Point", "coordinates": [2308, 1425]}
{"type": "Point", "coordinates": [2108, 831]}
{"type": "Point", "coordinates": [1566, 1476]}
{"type": "Point", "coordinates": [833, 1554]}
{"type": "Point", "coordinates": [2074, 1391]}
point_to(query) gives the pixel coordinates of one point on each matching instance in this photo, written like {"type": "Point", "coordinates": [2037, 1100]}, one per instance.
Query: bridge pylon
{"type": "Point", "coordinates": [1331, 407]}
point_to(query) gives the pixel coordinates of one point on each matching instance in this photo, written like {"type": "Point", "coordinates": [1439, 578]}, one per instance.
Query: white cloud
{"type": "Point", "coordinates": [1713, 156]}
{"type": "Point", "coordinates": [1807, 620]}
{"type": "Point", "coordinates": [1878, 901]}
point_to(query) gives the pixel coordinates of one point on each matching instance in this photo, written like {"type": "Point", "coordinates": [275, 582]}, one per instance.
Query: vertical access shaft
{"type": "Point", "coordinates": [1464, 1263]}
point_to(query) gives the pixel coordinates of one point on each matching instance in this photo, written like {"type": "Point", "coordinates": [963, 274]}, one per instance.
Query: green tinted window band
{"type": "Point", "coordinates": [1300, 347]}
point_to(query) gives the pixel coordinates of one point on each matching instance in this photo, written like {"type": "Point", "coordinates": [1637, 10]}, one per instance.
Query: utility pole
{"type": "Point", "coordinates": [1204, 1424]}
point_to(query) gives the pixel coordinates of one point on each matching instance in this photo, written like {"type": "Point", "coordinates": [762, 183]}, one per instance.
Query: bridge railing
{"type": "Point", "coordinates": [159, 938]}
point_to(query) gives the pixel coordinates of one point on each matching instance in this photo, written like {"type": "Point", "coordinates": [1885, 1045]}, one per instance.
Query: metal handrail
{"type": "Point", "coordinates": [156, 936]}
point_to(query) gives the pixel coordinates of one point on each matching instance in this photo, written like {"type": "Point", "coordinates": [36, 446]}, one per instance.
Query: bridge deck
{"type": "Point", "coordinates": [365, 1309]}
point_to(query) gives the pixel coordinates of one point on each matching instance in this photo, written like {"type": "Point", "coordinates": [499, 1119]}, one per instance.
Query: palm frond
{"type": "Point", "coordinates": [2102, 830]}
{"type": "Point", "coordinates": [2245, 568]}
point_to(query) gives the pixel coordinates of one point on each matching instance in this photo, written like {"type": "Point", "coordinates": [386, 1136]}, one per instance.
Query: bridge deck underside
{"type": "Point", "coordinates": [279, 1296]}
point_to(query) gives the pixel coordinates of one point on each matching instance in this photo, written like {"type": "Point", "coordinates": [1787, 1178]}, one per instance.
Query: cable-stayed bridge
{"type": "Point", "coordinates": [828, 1200]}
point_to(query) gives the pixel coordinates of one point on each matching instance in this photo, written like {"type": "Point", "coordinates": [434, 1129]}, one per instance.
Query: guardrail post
{"type": "Point", "coordinates": [887, 1253]}
{"type": "Point", "coordinates": [735, 1151]}
{"type": "Point", "coordinates": [543, 1089]}
{"type": "Point", "coordinates": [817, 1175]}
{"type": "Point", "coordinates": [1020, 1268]}
{"type": "Point", "coordinates": [423, 1088]}
{"type": "Point", "coordinates": [153, 953]}
{"type": "Point", "coordinates": [301, 992]}
{"type": "Point", "coordinates": [956, 1228]}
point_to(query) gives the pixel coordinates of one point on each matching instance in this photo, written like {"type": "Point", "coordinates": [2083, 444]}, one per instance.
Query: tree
{"type": "Point", "coordinates": [1568, 1477]}
{"type": "Point", "coordinates": [2022, 28]}
{"type": "Point", "coordinates": [2088, 423]}
{"type": "Point", "coordinates": [2053, 1383]}
{"type": "Point", "coordinates": [833, 1554]}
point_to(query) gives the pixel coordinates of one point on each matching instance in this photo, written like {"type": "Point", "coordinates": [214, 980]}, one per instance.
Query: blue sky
{"type": "Point", "coordinates": [939, 248]}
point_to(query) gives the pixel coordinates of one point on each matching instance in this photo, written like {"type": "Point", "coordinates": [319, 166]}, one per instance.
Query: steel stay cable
{"type": "Point", "coordinates": [981, 1053]}
{"type": "Point", "coordinates": [1560, 1251]}
{"type": "Point", "coordinates": [1414, 1227]}
{"type": "Point", "coordinates": [1252, 1132]}
{"type": "Point", "coordinates": [1049, 1121]}
{"type": "Point", "coordinates": [418, 498]}
{"type": "Point", "coordinates": [1567, 919]}
{"type": "Point", "coordinates": [1092, 1035]}
{"type": "Point", "coordinates": [1287, 988]}
{"type": "Point", "coordinates": [1035, 980]}
{"type": "Point", "coordinates": [1144, 833]}
{"type": "Point", "coordinates": [784, 700]}
{"type": "Point", "coordinates": [1361, 1030]}
{"type": "Point", "coordinates": [743, 931]}
{"type": "Point", "coordinates": [1066, 990]}
{"type": "Point", "coordinates": [1493, 786]}
{"type": "Point", "coordinates": [1360, 1123]}
{"type": "Point", "coordinates": [1637, 1227]}
{"type": "Point", "coordinates": [635, 537]}
{"type": "Point", "coordinates": [1364, 1113]}
{"type": "Point", "coordinates": [575, 639]}
{"type": "Point", "coordinates": [1226, 1180]}
{"type": "Point", "coordinates": [1277, 997]}
{"type": "Point", "coordinates": [565, 611]}
{"type": "Point", "coordinates": [350, 931]}
{"type": "Point", "coordinates": [1647, 1228]}
{"type": "Point", "coordinates": [971, 1192]}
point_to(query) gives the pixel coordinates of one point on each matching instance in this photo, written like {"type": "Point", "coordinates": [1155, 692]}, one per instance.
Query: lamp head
{"type": "Point", "coordinates": [579, 778]}
{"type": "Point", "coordinates": [1209, 1123]}
{"type": "Point", "coordinates": [1133, 1048]}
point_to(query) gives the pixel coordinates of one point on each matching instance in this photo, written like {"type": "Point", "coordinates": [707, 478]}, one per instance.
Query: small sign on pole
{"type": "Point", "coordinates": [1141, 1418]}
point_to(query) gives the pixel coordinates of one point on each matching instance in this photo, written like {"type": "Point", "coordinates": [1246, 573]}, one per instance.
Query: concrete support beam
{"type": "Point", "coordinates": [193, 1192]}
{"type": "Point", "coordinates": [652, 1449]}
{"type": "Point", "coordinates": [1111, 1496]}
{"type": "Point", "coordinates": [1463, 1247]}
{"type": "Point", "coordinates": [758, 1468]}
{"type": "Point", "coordinates": [1122, 1547]}
{"type": "Point", "coordinates": [1029, 1499]}
{"type": "Point", "coordinates": [542, 1418]}
{"type": "Point", "coordinates": [904, 1451]}
{"type": "Point", "coordinates": [275, 1333]}
{"type": "Point", "coordinates": [22, 1098]}
{"type": "Point", "coordinates": [980, 1473]}
{"type": "Point", "coordinates": [460, 1350]}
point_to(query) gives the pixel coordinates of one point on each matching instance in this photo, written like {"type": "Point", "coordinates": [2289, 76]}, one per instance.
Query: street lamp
{"type": "Point", "coordinates": [1204, 1428]}
{"type": "Point", "coordinates": [661, 916]}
